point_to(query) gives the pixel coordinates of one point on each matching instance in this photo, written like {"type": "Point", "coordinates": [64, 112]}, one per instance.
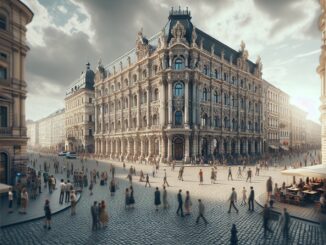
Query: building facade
{"type": "Point", "coordinates": [14, 16]}
{"type": "Point", "coordinates": [321, 71]}
{"type": "Point", "coordinates": [298, 128]}
{"type": "Point", "coordinates": [47, 134]}
{"type": "Point", "coordinates": [313, 132]}
{"type": "Point", "coordinates": [80, 114]}
{"type": "Point", "coordinates": [284, 120]}
{"type": "Point", "coordinates": [180, 95]}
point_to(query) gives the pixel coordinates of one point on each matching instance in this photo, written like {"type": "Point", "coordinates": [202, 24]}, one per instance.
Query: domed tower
{"type": "Point", "coordinates": [321, 71]}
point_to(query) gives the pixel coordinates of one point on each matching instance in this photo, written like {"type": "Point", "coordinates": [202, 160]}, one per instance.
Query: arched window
{"type": "Point", "coordinates": [126, 102]}
{"type": "Point", "coordinates": [216, 73]}
{"type": "Point", "coordinates": [144, 98]}
{"type": "Point", "coordinates": [178, 64]}
{"type": "Point", "coordinates": [178, 89]}
{"type": "Point", "coordinates": [112, 88]}
{"type": "Point", "coordinates": [3, 22]}
{"type": "Point", "coordinates": [234, 124]}
{"type": "Point", "coordinates": [204, 120]}
{"type": "Point", "coordinates": [155, 69]}
{"type": "Point", "coordinates": [249, 126]}
{"type": "Point", "coordinates": [119, 105]}
{"type": "Point", "coordinates": [126, 83]}
{"type": "Point", "coordinates": [242, 103]}
{"type": "Point", "coordinates": [226, 99]}
{"type": "Point", "coordinates": [144, 74]}
{"type": "Point", "coordinates": [119, 86]}
{"type": "Point", "coordinates": [205, 94]}
{"type": "Point", "coordinates": [154, 119]}
{"type": "Point", "coordinates": [217, 122]}
{"type": "Point", "coordinates": [233, 80]}
{"type": "Point", "coordinates": [144, 121]}
{"type": "Point", "coordinates": [134, 78]}
{"type": "Point", "coordinates": [226, 122]}
{"type": "Point", "coordinates": [135, 100]}
{"type": "Point", "coordinates": [215, 97]}
{"type": "Point", "coordinates": [126, 123]}
{"type": "Point", "coordinates": [243, 127]}
{"type": "Point", "coordinates": [225, 76]}
{"type": "Point", "coordinates": [119, 125]}
{"type": "Point", "coordinates": [178, 118]}
{"type": "Point", "coordinates": [205, 70]}
{"type": "Point", "coordinates": [156, 94]}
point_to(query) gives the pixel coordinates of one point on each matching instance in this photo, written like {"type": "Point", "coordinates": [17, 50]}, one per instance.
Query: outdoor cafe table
{"type": "Point", "coordinates": [293, 189]}
{"type": "Point", "coordinates": [310, 192]}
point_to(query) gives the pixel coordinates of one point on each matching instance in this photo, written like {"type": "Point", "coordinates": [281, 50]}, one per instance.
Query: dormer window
{"type": "Point", "coordinates": [178, 64]}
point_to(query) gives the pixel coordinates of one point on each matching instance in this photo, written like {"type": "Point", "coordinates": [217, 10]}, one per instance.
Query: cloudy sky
{"type": "Point", "coordinates": [65, 34]}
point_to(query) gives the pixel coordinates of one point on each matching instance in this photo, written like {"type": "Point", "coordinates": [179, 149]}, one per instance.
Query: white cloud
{"type": "Point", "coordinates": [62, 9]}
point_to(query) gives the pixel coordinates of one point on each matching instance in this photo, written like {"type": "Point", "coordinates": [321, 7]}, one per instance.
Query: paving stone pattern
{"type": "Point", "coordinates": [143, 225]}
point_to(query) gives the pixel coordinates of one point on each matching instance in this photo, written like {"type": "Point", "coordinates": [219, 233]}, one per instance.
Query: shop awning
{"type": "Point", "coordinates": [4, 188]}
{"type": "Point", "coordinates": [316, 171]}
{"type": "Point", "coordinates": [273, 147]}
{"type": "Point", "coordinates": [284, 147]}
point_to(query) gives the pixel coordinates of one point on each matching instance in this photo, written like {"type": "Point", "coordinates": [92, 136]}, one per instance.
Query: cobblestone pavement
{"type": "Point", "coordinates": [143, 225]}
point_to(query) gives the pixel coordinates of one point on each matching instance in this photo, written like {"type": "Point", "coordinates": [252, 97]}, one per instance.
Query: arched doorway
{"type": "Point", "coordinates": [4, 166]}
{"type": "Point", "coordinates": [178, 148]}
{"type": "Point", "coordinates": [204, 148]}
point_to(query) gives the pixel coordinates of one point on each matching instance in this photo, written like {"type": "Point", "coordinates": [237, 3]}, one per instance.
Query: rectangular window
{"type": "Point", "coordinates": [3, 24]}
{"type": "Point", "coordinates": [90, 100]}
{"type": "Point", "coordinates": [3, 56]}
{"type": "Point", "coordinates": [3, 73]}
{"type": "Point", "coordinates": [3, 116]}
{"type": "Point", "coordinates": [89, 118]}
{"type": "Point", "coordinates": [90, 132]}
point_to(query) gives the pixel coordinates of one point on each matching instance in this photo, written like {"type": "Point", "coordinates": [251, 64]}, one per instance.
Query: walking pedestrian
{"type": "Point", "coordinates": [91, 188]}
{"type": "Point", "coordinates": [112, 187]}
{"type": "Point", "coordinates": [233, 200]}
{"type": "Point", "coordinates": [131, 198]}
{"type": "Point", "coordinates": [48, 214]}
{"type": "Point", "coordinates": [249, 173]}
{"type": "Point", "coordinates": [244, 197]}
{"type": "Point", "coordinates": [24, 201]}
{"type": "Point", "coordinates": [213, 176]}
{"type": "Point", "coordinates": [165, 198]}
{"type": "Point", "coordinates": [127, 198]}
{"type": "Point", "coordinates": [147, 181]}
{"type": "Point", "coordinates": [104, 217]}
{"type": "Point", "coordinates": [251, 199]}
{"type": "Point", "coordinates": [230, 174]}
{"type": "Point", "coordinates": [73, 202]}
{"type": "Point", "coordinates": [188, 203]}
{"type": "Point", "coordinates": [94, 211]}
{"type": "Point", "coordinates": [68, 189]}
{"type": "Point", "coordinates": [201, 212]}
{"type": "Point", "coordinates": [157, 198]}
{"type": "Point", "coordinates": [266, 218]}
{"type": "Point", "coordinates": [62, 191]}
{"type": "Point", "coordinates": [10, 200]}
{"type": "Point", "coordinates": [165, 179]}
{"type": "Point", "coordinates": [180, 202]}
{"type": "Point", "coordinates": [239, 172]}
{"type": "Point", "coordinates": [285, 223]}
{"type": "Point", "coordinates": [269, 188]}
{"type": "Point", "coordinates": [234, 236]}
{"type": "Point", "coordinates": [201, 177]}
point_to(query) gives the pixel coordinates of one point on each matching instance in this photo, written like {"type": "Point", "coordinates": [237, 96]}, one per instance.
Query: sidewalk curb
{"type": "Point", "coordinates": [293, 216]}
{"type": "Point", "coordinates": [40, 217]}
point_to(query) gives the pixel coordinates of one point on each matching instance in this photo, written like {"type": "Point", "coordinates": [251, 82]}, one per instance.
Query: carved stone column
{"type": "Point", "coordinates": [186, 118]}
{"type": "Point", "coordinates": [148, 107]}
{"type": "Point", "coordinates": [162, 104]}
{"type": "Point", "coordinates": [170, 117]}
{"type": "Point", "coordinates": [186, 153]}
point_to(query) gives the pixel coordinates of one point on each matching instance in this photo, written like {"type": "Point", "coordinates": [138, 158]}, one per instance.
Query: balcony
{"type": "Point", "coordinates": [5, 131]}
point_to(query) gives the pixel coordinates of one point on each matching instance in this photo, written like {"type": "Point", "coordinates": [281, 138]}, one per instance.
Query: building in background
{"type": "Point", "coordinates": [47, 134]}
{"type": "Point", "coordinates": [284, 120]}
{"type": "Point", "coordinates": [80, 114]}
{"type": "Point", "coordinates": [181, 94]}
{"type": "Point", "coordinates": [321, 70]}
{"type": "Point", "coordinates": [14, 16]}
{"type": "Point", "coordinates": [313, 132]}
{"type": "Point", "coordinates": [298, 128]}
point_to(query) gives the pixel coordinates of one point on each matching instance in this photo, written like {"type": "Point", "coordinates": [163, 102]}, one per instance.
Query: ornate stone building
{"type": "Point", "coordinates": [179, 95]}
{"type": "Point", "coordinates": [321, 71]}
{"type": "Point", "coordinates": [48, 134]}
{"type": "Point", "coordinates": [313, 132]}
{"type": "Point", "coordinates": [14, 16]}
{"type": "Point", "coordinates": [284, 120]}
{"type": "Point", "coordinates": [298, 128]}
{"type": "Point", "coordinates": [79, 114]}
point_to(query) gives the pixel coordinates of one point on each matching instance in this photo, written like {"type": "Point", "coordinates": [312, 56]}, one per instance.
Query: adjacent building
{"type": "Point", "coordinates": [80, 114]}
{"type": "Point", "coordinates": [179, 95]}
{"type": "Point", "coordinates": [298, 128]}
{"type": "Point", "coordinates": [14, 16]}
{"type": "Point", "coordinates": [313, 132]}
{"type": "Point", "coordinates": [47, 134]}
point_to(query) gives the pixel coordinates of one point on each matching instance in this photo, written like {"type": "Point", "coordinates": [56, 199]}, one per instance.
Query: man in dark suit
{"type": "Point", "coordinates": [251, 199]}
{"type": "Point", "coordinates": [94, 212]}
{"type": "Point", "coordinates": [180, 202]}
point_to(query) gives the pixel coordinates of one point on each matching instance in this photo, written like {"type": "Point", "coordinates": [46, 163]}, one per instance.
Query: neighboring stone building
{"type": "Point", "coordinates": [181, 94]}
{"type": "Point", "coordinates": [14, 16]}
{"type": "Point", "coordinates": [32, 134]}
{"type": "Point", "coordinates": [313, 132]}
{"type": "Point", "coordinates": [321, 71]}
{"type": "Point", "coordinates": [271, 123]}
{"type": "Point", "coordinates": [298, 128]}
{"type": "Point", "coordinates": [47, 134]}
{"type": "Point", "coordinates": [79, 114]}
{"type": "Point", "coordinates": [284, 120]}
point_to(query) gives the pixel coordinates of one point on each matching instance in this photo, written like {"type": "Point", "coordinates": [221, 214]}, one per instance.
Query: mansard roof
{"type": "Point", "coordinates": [184, 17]}
{"type": "Point", "coordinates": [86, 80]}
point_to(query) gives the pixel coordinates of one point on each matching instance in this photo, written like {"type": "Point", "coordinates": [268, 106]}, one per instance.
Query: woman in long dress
{"type": "Point", "coordinates": [165, 198]}
{"type": "Point", "coordinates": [187, 203]}
{"type": "Point", "coordinates": [127, 198]}
{"type": "Point", "coordinates": [157, 198]}
{"type": "Point", "coordinates": [112, 187]}
{"type": "Point", "coordinates": [244, 196]}
{"type": "Point", "coordinates": [131, 198]}
{"type": "Point", "coordinates": [104, 217]}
